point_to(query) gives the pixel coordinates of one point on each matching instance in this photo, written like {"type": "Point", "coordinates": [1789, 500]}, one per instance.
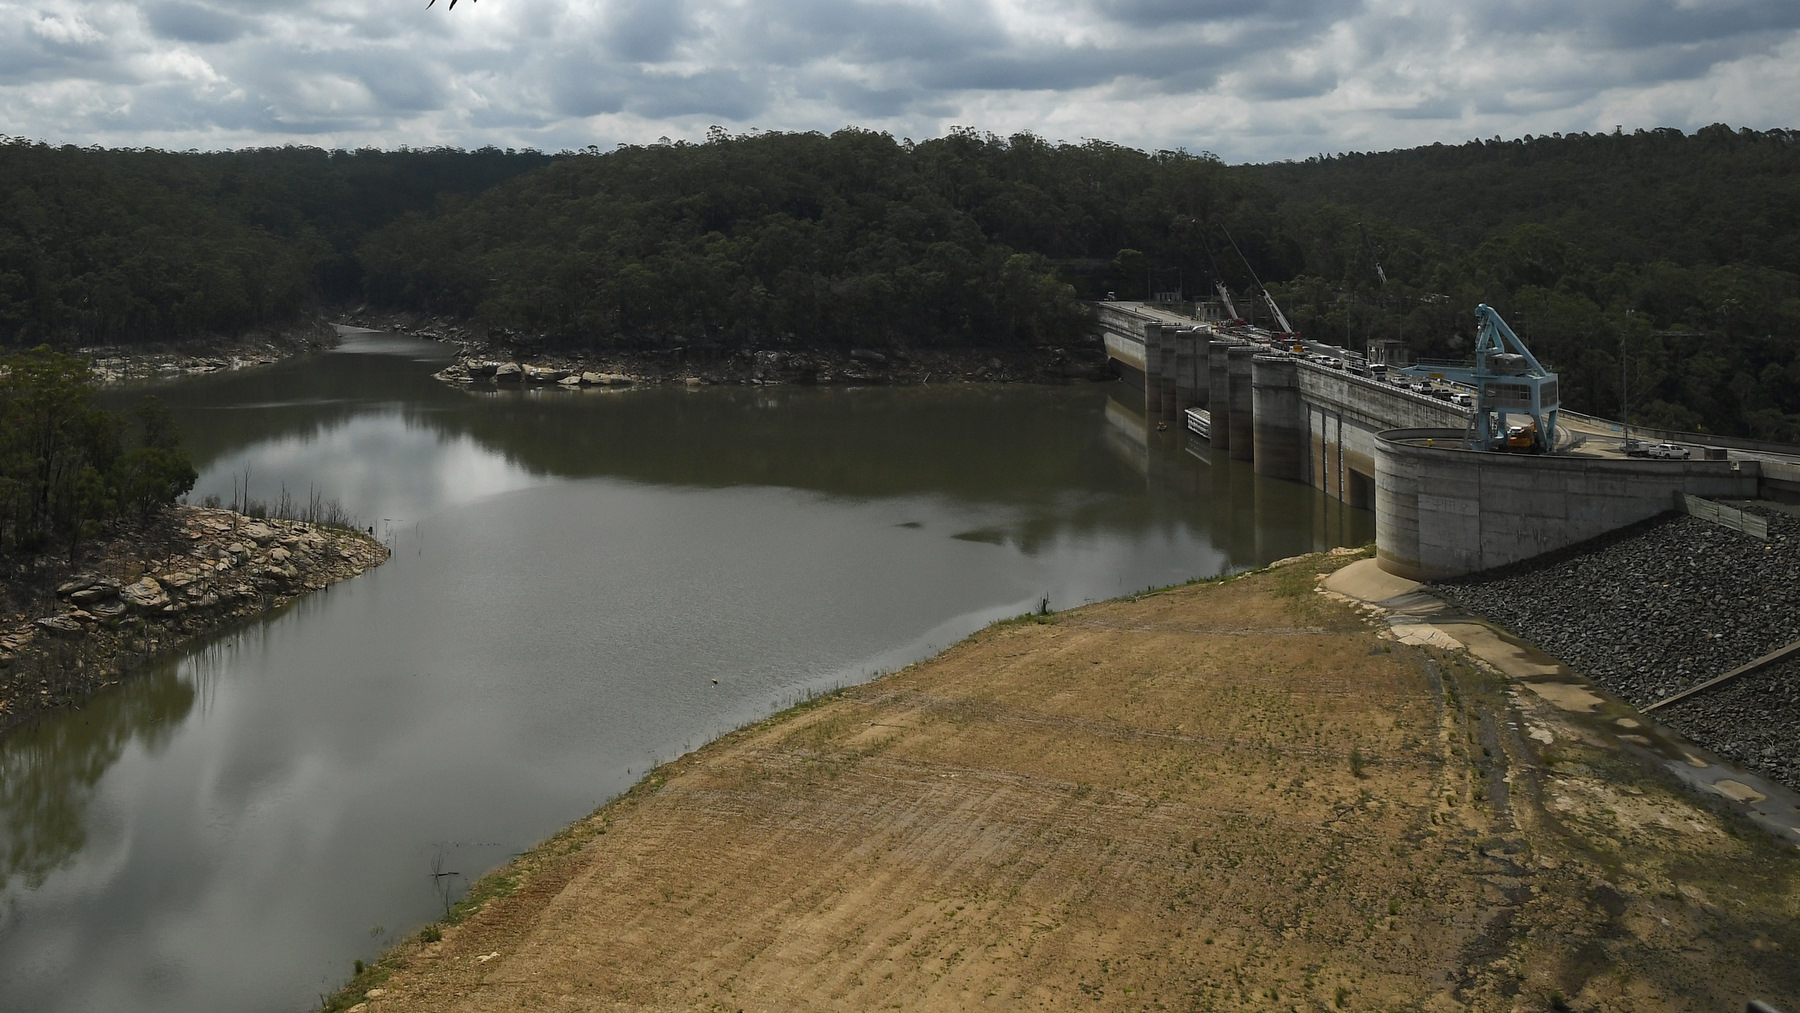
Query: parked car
{"type": "Point", "coordinates": [1669, 451]}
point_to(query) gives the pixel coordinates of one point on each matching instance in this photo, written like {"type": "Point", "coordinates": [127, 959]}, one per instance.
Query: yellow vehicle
{"type": "Point", "coordinates": [1522, 439]}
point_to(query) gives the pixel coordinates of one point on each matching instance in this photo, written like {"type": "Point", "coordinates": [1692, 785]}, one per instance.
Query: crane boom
{"type": "Point", "coordinates": [1219, 280]}
{"type": "Point", "coordinates": [1280, 317]}
{"type": "Point", "coordinates": [1372, 254]}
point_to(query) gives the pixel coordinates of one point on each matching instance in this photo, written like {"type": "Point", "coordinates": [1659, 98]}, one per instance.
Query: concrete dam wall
{"type": "Point", "coordinates": [1440, 510]}
{"type": "Point", "coordinates": [1443, 511]}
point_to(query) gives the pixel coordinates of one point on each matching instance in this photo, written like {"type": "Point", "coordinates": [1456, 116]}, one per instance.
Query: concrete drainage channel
{"type": "Point", "coordinates": [1417, 616]}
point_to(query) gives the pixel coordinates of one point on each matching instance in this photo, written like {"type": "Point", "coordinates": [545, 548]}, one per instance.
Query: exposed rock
{"type": "Point", "coordinates": [80, 582]}
{"type": "Point", "coordinates": [1663, 606]}
{"type": "Point", "coordinates": [62, 626]}
{"type": "Point", "coordinates": [258, 533]}
{"type": "Point", "coordinates": [100, 591]}
{"type": "Point", "coordinates": [280, 555]}
{"type": "Point", "coordinates": [146, 594]}
{"type": "Point", "coordinates": [508, 372]}
{"type": "Point", "coordinates": [591, 377]}
{"type": "Point", "coordinates": [109, 612]}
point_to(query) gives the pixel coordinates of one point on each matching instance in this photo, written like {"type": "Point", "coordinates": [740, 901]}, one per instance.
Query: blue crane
{"type": "Point", "coordinates": [1508, 380]}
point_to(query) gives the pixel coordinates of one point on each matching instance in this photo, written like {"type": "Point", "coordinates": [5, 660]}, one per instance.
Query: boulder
{"type": "Point", "coordinates": [80, 582]}
{"type": "Point", "coordinates": [280, 555]}
{"type": "Point", "coordinates": [146, 594]}
{"type": "Point", "coordinates": [103, 591]}
{"type": "Point", "coordinates": [508, 372]}
{"type": "Point", "coordinates": [868, 355]}
{"type": "Point", "coordinates": [237, 549]}
{"type": "Point", "coordinates": [592, 378]}
{"type": "Point", "coordinates": [481, 369]}
{"type": "Point", "coordinates": [62, 626]}
{"type": "Point", "coordinates": [569, 381]}
{"type": "Point", "coordinates": [259, 533]}
{"type": "Point", "coordinates": [110, 612]}
{"type": "Point", "coordinates": [177, 580]}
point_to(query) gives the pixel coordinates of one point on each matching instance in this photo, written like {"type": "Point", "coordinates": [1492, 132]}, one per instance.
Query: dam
{"type": "Point", "coordinates": [1441, 510]}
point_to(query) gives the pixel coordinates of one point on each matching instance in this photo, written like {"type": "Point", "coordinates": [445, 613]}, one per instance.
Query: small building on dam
{"type": "Point", "coordinates": [1441, 509]}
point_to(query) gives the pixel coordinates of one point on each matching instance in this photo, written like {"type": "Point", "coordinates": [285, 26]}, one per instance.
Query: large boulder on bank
{"type": "Point", "coordinates": [79, 582]}
{"type": "Point", "coordinates": [481, 369]}
{"type": "Point", "coordinates": [104, 590]}
{"type": "Point", "coordinates": [62, 626]}
{"type": "Point", "coordinates": [508, 372]}
{"type": "Point", "coordinates": [146, 594]}
{"type": "Point", "coordinates": [110, 613]}
{"type": "Point", "coordinates": [259, 533]}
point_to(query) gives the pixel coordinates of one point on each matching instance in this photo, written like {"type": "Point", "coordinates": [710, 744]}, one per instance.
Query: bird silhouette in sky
{"type": "Point", "coordinates": [452, 4]}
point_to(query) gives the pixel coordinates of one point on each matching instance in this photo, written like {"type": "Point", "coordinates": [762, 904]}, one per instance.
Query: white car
{"type": "Point", "coordinates": [1668, 451]}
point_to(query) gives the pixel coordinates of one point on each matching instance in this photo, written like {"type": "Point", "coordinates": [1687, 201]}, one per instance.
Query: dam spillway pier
{"type": "Point", "coordinates": [1441, 509]}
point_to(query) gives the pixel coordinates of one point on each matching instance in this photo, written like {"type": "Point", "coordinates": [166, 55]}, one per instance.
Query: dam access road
{"type": "Point", "coordinates": [1240, 794]}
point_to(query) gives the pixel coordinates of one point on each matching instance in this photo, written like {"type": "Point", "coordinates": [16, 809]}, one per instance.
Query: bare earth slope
{"type": "Point", "coordinates": [1224, 796]}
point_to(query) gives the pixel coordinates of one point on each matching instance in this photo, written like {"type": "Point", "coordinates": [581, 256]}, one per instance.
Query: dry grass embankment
{"type": "Point", "coordinates": [1223, 796]}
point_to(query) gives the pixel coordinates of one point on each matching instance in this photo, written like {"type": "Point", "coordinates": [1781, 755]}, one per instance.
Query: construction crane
{"type": "Point", "coordinates": [1372, 254]}
{"type": "Point", "coordinates": [1508, 381]}
{"type": "Point", "coordinates": [1287, 329]}
{"type": "Point", "coordinates": [1219, 280]}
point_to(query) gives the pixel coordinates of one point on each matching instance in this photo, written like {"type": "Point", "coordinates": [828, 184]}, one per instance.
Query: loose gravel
{"type": "Point", "coordinates": [1751, 720]}
{"type": "Point", "coordinates": [1661, 606]}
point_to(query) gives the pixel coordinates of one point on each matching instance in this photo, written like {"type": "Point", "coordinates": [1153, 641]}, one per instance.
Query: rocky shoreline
{"type": "Point", "coordinates": [506, 358]}
{"type": "Point", "coordinates": [1663, 606]}
{"type": "Point", "coordinates": [187, 574]}
{"type": "Point", "coordinates": [115, 365]}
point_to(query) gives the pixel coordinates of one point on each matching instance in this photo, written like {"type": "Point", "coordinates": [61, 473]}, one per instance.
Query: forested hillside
{"type": "Point", "coordinates": [852, 239]}
{"type": "Point", "coordinates": [1681, 252]}
{"type": "Point", "coordinates": [131, 246]}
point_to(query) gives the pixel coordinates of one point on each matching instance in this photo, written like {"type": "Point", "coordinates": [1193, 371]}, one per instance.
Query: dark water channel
{"type": "Point", "coordinates": [571, 572]}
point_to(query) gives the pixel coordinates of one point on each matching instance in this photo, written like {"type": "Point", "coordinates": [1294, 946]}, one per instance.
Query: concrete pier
{"type": "Point", "coordinates": [1190, 390]}
{"type": "Point", "coordinates": [1279, 430]}
{"type": "Point", "coordinates": [1218, 400]}
{"type": "Point", "coordinates": [1243, 402]}
{"type": "Point", "coordinates": [1167, 377]}
{"type": "Point", "coordinates": [1153, 363]}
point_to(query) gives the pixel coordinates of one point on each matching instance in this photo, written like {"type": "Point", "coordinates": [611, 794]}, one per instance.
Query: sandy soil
{"type": "Point", "coordinates": [1224, 796]}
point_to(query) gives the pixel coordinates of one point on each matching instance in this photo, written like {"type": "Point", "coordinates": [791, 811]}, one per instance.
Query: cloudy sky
{"type": "Point", "coordinates": [1248, 79]}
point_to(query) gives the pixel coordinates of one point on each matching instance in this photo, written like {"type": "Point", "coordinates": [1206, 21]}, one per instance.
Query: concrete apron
{"type": "Point", "coordinates": [1415, 617]}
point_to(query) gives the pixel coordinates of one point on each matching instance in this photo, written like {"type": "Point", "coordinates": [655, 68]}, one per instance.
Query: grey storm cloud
{"type": "Point", "coordinates": [189, 22]}
{"type": "Point", "coordinates": [1246, 78]}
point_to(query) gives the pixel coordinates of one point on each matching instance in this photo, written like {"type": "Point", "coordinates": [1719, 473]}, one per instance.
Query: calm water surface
{"type": "Point", "coordinates": [571, 572]}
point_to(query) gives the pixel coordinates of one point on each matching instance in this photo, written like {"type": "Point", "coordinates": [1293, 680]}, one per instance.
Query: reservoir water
{"type": "Point", "coordinates": [583, 584]}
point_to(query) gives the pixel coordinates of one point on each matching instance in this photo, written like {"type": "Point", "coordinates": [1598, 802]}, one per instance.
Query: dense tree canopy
{"type": "Point", "coordinates": [129, 246]}
{"type": "Point", "coordinates": [1681, 252]}
{"type": "Point", "coordinates": [68, 467]}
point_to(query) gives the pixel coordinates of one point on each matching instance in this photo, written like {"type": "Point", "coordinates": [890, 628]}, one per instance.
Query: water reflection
{"type": "Point", "coordinates": [583, 584]}
{"type": "Point", "coordinates": [49, 770]}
